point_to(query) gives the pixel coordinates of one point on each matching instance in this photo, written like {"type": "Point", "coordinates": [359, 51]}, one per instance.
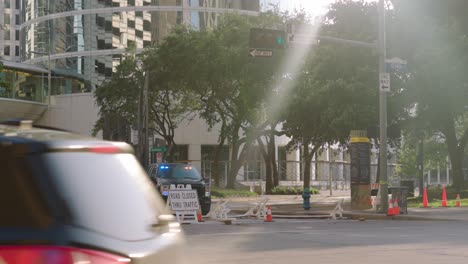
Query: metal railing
{"type": "Point", "coordinates": [291, 173]}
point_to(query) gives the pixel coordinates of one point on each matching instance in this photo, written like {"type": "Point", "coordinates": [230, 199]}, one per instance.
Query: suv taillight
{"type": "Point", "coordinates": [56, 255]}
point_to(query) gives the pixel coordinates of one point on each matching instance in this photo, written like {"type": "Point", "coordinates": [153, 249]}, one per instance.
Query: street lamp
{"type": "Point", "coordinates": [49, 77]}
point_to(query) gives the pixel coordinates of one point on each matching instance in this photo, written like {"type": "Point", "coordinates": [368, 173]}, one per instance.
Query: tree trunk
{"type": "Point", "coordinates": [268, 169]}
{"type": "Point", "coordinates": [171, 145]}
{"type": "Point", "coordinates": [456, 159]}
{"type": "Point", "coordinates": [274, 165]}
{"type": "Point", "coordinates": [307, 165]}
{"type": "Point", "coordinates": [268, 175]}
{"type": "Point", "coordinates": [215, 169]}
{"type": "Point", "coordinates": [456, 156]}
{"type": "Point", "coordinates": [235, 166]}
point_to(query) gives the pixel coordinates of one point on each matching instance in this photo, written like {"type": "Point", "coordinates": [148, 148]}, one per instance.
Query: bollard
{"type": "Point", "coordinates": [306, 197]}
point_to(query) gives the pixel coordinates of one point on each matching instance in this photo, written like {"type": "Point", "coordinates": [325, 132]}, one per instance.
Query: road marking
{"type": "Point", "coordinates": [412, 235]}
{"type": "Point", "coordinates": [359, 235]}
{"type": "Point", "coordinates": [257, 233]}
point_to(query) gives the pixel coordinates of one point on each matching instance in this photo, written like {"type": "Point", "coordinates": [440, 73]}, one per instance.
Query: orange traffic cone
{"type": "Point", "coordinates": [458, 202]}
{"type": "Point", "coordinates": [390, 211]}
{"type": "Point", "coordinates": [396, 208]}
{"type": "Point", "coordinates": [199, 216]}
{"type": "Point", "coordinates": [425, 200]}
{"type": "Point", "coordinates": [444, 197]}
{"type": "Point", "coordinates": [269, 216]}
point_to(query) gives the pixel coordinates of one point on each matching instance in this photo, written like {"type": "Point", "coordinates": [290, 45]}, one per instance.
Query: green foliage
{"type": "Point", "coordinates": [226, 193]}
{"type": "Point", "coordinates": [285, 190]}
{"type": "Point", "coordinates": [434, 196]}
{"type": "Point", "coordinates": [3, 84]}
{"type": "Point", "coordinates": [118, 98]}
{"type": "Point", "coordinates": [431, 36]}
{"type": "Point", "coordinates": [434, 151]}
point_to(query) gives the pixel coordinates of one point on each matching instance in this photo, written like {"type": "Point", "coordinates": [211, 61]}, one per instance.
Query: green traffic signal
{"type": "Point", "coordinates": [262, 38]}
{"type": "Point", "coordinates": [280, 40]}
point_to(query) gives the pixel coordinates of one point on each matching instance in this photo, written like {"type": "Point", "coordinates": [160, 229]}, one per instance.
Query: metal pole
{"type": "Point", "coordinates": [146, 118]}
{"type": "Point", "coordinates": [49, 81]}
{"type": "Point", "coordinates": [330, 177]}
{"type": "Point", "coordinates": [383, 113]}
{"type": "Point", "coordinates": [420, 161]}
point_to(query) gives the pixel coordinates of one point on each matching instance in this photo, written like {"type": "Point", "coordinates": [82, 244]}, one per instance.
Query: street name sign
{"type": "Point", "coordinates": [384, 80]}
{"type": "Point", "coordinates": [260, 53]}
{"type": "Point", "coordinates": [396, 64]}
{"type": "Point", "coordinates": [159, 149]}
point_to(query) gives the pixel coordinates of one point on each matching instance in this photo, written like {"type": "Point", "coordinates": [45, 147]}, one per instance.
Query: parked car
{"type": "Point", "coordinates": [183, 173]}
{"type": "Point", "coordinates": [65, 199]}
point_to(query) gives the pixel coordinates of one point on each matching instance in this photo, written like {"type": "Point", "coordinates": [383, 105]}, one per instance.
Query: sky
{"type": "Point", "coordinates": [312, 7]}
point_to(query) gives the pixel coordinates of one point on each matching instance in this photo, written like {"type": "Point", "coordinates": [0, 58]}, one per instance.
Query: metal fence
{"type": "Point", "coordinates": [291, 173]}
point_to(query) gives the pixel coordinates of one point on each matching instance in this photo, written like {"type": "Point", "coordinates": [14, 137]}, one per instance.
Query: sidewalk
{"type": "Point", "coordinates": [291, 206]}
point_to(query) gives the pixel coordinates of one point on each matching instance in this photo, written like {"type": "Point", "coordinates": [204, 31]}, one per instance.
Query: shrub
{"type": "Point", "coordinates": [285, 190]}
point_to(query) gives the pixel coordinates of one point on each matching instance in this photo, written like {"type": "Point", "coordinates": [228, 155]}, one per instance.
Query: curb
{"type": "Point", "coordinates": [356, 216]}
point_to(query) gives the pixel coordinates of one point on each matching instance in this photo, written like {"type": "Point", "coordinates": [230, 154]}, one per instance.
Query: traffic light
{"type": "Point", "coordinates": [267, 38]}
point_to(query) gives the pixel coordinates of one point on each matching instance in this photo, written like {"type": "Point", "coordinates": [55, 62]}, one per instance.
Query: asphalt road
{"type": "Point", "coordinates": [324, 241]}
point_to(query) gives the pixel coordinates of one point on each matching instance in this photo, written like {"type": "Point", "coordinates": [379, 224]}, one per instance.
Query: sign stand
{"type": "Point", "coordinates": [183, 200]}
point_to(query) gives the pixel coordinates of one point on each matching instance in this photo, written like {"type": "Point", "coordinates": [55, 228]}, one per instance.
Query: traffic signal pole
{"type": "Point", "coordinates": [383, 182]}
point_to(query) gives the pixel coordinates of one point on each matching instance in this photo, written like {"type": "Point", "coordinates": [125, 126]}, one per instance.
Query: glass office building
{"type": "Point", "coordinates": [86, 38]}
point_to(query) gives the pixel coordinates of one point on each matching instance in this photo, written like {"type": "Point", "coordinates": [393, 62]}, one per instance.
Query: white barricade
{"type": "Point", "coordinates": [259, 210]}
{"type": "Point", "coordinates": [220, 211]}
{"type": "Point", "coordinates": [184, 202]}
{"type": "Point", "coordinates": [337, 211]}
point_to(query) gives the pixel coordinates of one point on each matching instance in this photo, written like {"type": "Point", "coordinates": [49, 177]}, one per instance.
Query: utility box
{"type": "Point", "coordinates": [410, 185]}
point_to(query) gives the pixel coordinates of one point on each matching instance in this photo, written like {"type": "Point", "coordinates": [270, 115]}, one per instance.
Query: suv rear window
{"type": "Point", "coordinates": [108, 193]}
{"type": "Point", "coordinates": [21, 203]}
{"type": "Point", "coordinates": [171, 171]}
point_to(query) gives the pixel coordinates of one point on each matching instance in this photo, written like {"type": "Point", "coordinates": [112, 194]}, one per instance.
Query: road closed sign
{"type": "Point", "coordinates": [184, 200]}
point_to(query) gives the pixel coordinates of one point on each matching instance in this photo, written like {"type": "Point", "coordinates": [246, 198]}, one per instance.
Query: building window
{"type": "Point", "coordinates": [181, 153]}
{"type": "Point", "coordinates": [17, 4]}
{"type": "Point", "coordinates": [17, 35]}
{"type": "Point", "coordinates": [116, 31]}
{"type": "Point", "coordinates": [179, 17]}
{"type": "Point", "coordinates": [208, 155]}
{"type": "Point", "coordinates": [6, 51]}
{"type": "Point", "coordinates": [6, 19]}
{"type": "Point", "coordinates": [139, 33]}
{"type": "Point", "coordinates": [108, 27]}
{"type": "Point", "coordinates": [17, 51]}
{"type": "Point", "coordinates": [131, 2]}
{"type": "Point", "coordinates": [139, 13]}
{"type": "Point", "coordinates": [146, 43]}
{"type": "Point", "coordinates": [7, 34]}
{"type": "Point", "coordinates": [7, 3]}
{"type": "Point", "coordinates": [146, 25]}
{"type": "Point", "coordinates": [131, 23]}
{"type": "Point", "coordinates": [17, 19]}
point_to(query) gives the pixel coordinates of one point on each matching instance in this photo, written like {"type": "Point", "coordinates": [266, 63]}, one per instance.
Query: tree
{"type": "Point", "coordinates": [170, 103]}
{"type": "Point", "coordinates": [431, 35]}
{"type": "Point", "coordinates": [230, 87]}
{"type": "Point", "coordinates": [336, 91]}
{"type": "Point", "coordinates": [118, 101]}
{"type": "Point", "coordinates": [3, 84]}
{"type": "Point", "coordinates": [435, 154]}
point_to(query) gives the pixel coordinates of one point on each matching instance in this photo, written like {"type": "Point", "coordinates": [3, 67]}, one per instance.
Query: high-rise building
{"type": "Point", "coordinates": [88, 37]}
{"type": "Point", "coordinates": [10, 21]}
